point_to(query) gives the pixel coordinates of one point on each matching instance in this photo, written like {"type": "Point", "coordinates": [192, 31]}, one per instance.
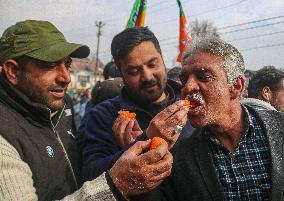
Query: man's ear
{"type": "Point", "coordinates": [237, 87]}
{"type": "Point", "coordinates": [12, 71]}
{"type": "Point", "coordinates": [266, 94]}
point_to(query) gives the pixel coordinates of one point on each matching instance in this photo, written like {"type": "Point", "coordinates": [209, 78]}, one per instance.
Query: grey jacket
{"type": "Point", "coordinates": [194, 177]}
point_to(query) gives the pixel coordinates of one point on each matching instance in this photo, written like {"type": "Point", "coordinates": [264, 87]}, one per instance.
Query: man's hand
{"type": "Point", "coordinates": [126, 130]}
{"type": "Point", "coordinates": [164, 123]}
{"type": "Point", "coordinates": [139, 170]}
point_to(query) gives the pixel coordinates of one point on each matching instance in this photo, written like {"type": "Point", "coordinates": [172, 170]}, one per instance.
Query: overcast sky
{"type": "Point", "coordinates": [260, 38]}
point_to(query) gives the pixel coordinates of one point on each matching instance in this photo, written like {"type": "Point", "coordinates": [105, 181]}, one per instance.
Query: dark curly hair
{"type": "Point", "coordinates": [266, 76]}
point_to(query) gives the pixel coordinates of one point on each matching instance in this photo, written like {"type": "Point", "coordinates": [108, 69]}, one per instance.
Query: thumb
{"type": "Point", "coordinates": [139, 147]}
{"type": "Point", "coordinates": [155, 155]}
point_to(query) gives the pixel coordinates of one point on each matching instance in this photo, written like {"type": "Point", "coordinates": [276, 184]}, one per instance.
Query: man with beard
{"type": "Point", "coordinates": [236, 152]}
{"type": "Point", "coordinates": [146, 92]}
{"type": "Point", "coordinates": [39, 158]}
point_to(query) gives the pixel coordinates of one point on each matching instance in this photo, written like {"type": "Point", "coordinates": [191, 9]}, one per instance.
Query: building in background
{"type": "Point", "coordinates": [83, 76]}
{"type": "Point", "coordinates": [83, 73]}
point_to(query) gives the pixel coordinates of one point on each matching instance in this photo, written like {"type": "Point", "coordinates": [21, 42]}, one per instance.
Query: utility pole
{"type": "Point", "coordinates": [99, 24]}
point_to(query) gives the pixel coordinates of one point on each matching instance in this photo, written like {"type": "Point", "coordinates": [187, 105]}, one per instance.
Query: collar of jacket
{"type": "Point", "coordinates": [128, 103]}
{"type": "Point", "coordinates": [37, 114]}
{"type": "Point", "coordinates": [257, 104]}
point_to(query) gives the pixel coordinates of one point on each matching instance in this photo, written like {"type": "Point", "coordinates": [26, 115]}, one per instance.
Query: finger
{"type": "Point", "coordinates": [177, 117]}
{"type": "Point", "coordinates": [122, 125]}
{"type": "Point", "coordinates": [129, 127]}
{"type": "Point", "coordinates": [118, 135]}
{"type": "Point", "coordinates": [164, 164]}
{"type": "Point", "coordinates": [155, 155]}
{"type": "Point", "coordinates": [118, 121]}
{"type": "Point", "coordinates": [162, 169]}
{"type": "Point", "coordinates": [128, 134]}
{"type": "Point", "coordinates": [169, 111]}
{"type": "Point", "coordinates": [118, 129]}
{"type": "Point", "coordinates": [138, 148]}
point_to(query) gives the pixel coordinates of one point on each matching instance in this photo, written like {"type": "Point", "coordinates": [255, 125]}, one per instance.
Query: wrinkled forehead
{"type": "Point", "coordinates": [202, 60]}
{"type": "Point", "coordinates": [203, 64]}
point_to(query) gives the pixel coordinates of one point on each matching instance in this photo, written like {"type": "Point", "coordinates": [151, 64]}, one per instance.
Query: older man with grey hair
{"type": "Point", "coordinates": [236, 152]}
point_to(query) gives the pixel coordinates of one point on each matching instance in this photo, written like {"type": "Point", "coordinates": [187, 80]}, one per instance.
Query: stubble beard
{"type": "Point", "coordinates": [37, 94]}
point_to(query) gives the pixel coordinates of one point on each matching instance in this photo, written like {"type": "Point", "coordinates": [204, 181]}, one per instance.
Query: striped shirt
{"type": "Point", "coordinates": [244, 174]}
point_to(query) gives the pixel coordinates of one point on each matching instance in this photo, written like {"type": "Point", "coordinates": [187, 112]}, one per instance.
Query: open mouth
{"type": "Point", "coordinates": [195, 100]}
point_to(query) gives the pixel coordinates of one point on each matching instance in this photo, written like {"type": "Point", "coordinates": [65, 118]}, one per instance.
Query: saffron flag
{"type": "Point", "coordinates": [184, 37]}
{"type": "Point", "coordinates": [138, 13]}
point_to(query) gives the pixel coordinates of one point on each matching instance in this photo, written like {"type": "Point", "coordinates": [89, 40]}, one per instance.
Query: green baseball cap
{"type": "Point", "coordinates": [40, 40]}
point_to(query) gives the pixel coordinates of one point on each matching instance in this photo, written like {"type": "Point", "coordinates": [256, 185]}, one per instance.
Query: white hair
{"type": "Point", "coordinates": [233, 60]}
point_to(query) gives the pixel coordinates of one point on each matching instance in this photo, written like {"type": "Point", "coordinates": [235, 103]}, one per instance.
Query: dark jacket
{"type": "Point", "coordinates": [194, 178]}
{"type": "Point", "coordinates": [100, 149]}
{"type": "Point", "coordinates": [46, 145]}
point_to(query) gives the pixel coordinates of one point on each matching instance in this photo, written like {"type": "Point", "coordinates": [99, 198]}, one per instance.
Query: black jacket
{"type": "Point", "coordinates": [46, 145]}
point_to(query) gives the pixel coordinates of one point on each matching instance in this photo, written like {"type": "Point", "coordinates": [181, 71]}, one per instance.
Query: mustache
{"type": "Point", "coordinates": [149, 83]}
{"type": "Point", "coordinates": [196, 96]}
{"type": "Point", "coordinates": [61, 86]}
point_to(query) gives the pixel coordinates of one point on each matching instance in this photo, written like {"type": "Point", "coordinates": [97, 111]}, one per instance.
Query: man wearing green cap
{"type": "Point", "coordinates": [39, 158]}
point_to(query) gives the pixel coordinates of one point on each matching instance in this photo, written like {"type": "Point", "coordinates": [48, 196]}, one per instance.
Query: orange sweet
{"type": "Point", "coordinates": [188, 103]}
{"type": "Point", "coordinates": [156, 141]}
{"type": "Point", "coordinates": [127, 114]}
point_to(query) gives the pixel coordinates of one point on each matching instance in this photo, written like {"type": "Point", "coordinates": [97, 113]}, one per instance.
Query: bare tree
{"type": "Point", "coordinates": [203, 28]}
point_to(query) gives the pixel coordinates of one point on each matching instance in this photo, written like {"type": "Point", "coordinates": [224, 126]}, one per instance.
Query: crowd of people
{"type": "Point", "coordinates": [229, 146]}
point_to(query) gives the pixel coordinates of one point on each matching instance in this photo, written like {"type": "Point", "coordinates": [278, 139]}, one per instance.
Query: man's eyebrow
{"type": "Point", "coordinates": [136, 66]}
{"type": "Point", "coordinates": [202, 70]}
{"type": "Point", "coordinates": [132, 66]}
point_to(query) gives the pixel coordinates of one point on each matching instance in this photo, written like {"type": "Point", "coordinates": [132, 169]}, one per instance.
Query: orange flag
{"type": "Point", "coordinates": [184, 37]}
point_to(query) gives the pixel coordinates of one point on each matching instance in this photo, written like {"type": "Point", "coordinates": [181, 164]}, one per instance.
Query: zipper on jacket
{"type": "Point", "coordinates": [60, 142]}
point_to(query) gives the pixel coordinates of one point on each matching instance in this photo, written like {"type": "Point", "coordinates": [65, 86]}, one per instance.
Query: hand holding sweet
{"type": "Point", "coordinates": [139, 170]}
